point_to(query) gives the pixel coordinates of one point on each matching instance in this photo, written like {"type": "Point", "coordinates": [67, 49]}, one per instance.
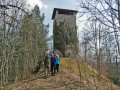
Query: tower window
{"type": "Point", "coordinates": [65, 12]}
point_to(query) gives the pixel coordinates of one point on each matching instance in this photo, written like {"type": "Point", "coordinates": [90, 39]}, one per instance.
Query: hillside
{"type": "Point", "coordinates": [67, 79]}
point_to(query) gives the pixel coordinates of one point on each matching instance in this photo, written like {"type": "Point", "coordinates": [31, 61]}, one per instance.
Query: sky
{"type": "Point", "coordinates": [47, 6]}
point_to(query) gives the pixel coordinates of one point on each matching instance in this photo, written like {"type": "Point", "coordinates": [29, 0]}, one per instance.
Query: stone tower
{"type": "Point", "coordinates": [64, 29]}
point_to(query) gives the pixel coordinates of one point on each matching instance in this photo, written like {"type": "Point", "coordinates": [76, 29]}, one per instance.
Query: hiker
{"type": "Point", "coordinates": [57, 62]}
{"type": "Point", "coordinates": [54, 52]}
{"type": "Point", "coordinates": [47, 64]}
{"type": "Point", "coordinates": [53, 63]}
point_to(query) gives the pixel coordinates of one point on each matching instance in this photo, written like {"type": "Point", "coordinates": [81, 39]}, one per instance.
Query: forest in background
{"type": "Point", "coordinates": [100, 40]}
{"type": "Point", "coordinates": [23, 39]}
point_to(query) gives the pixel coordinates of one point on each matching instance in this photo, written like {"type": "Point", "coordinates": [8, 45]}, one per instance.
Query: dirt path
{"type": "Point", "coordinates": [64, 80]}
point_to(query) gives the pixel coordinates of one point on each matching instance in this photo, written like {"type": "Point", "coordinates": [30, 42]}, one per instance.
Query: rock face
{"type": "Point", "coordinates": [64, 29]}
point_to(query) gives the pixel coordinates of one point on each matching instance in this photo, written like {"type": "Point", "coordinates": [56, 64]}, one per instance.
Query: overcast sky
{"type": "Point", "coordinates": [47, 7]}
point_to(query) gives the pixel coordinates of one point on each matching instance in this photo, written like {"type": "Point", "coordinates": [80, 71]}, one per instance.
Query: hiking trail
{"type": "Point", "coordinates": [66, 79]}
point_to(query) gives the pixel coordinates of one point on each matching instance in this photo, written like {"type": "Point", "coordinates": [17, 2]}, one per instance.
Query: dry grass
{"type": "Point", "coordinates": [73, 75]}
{"type": "Point", "coordinates": [88, 75]}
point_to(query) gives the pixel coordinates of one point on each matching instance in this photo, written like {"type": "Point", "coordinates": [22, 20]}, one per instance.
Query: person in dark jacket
{"type": "Point", "coordinates": [47, 64]}
{"type": "Point", "coordinates": [53, 63]}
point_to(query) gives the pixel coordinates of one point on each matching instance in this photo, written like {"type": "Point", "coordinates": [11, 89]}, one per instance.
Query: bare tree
{"type": "Point", "coordinates": [22, 40]}
{"type": "Point", "coordinates": [104, 17]}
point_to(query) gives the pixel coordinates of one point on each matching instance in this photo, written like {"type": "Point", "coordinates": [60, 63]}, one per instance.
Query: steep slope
{"type": "Point", "coordinates": [89, 76]}
{"type": "Point", "coordinates": [69, 78]}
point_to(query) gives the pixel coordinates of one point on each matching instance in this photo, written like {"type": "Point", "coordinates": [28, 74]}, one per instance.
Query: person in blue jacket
{"type": "Point", "coordinates": [53, 64]}
{"type": "Point", "coordinates": [57, 62]}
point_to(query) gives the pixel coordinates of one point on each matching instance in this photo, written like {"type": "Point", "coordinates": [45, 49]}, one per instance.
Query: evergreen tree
{"type": "Point", "coordinates": [22, 47]}
{"type": "Point", "coordinates": [64, 36]}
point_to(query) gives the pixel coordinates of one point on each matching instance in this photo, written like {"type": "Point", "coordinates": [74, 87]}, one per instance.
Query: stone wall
{"type": "Point", "coordinates": [69, 19]}
{"type": "Point", "coordinates": [70, 23]}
